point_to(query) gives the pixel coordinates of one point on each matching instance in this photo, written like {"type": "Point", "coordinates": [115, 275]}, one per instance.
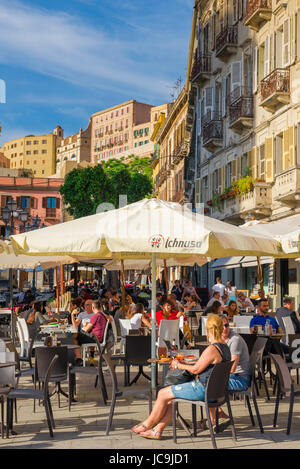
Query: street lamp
{"type": "Point", "coordinates": [10, 213]}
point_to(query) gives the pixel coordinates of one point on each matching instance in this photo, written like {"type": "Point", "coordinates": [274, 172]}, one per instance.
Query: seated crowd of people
{"type": "Point", "coordinates": [91, 310]}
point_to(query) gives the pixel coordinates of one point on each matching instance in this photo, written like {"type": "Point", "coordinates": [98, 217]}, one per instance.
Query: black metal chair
{"type": "Point", "coordinates": [216, 395]}
{"type": "Point", "coordinates": [34, 394]}
{"type": "Point", "coordinates": [255, 359]}
{"type": "Point", "coordinates": [116, 393]}
{"type": "Point", "coordinates": [258, 349]}
{"type": "Point", "coordinates": [285, 387]}
{"type": "Point", "coordinates": [60, 372]}
{"type": "Point", "coordinates": [91, 371]}
{"type": "Point", "coordinates": [137, 352]}
{"type": "Point", "coordinates": [250, 340]}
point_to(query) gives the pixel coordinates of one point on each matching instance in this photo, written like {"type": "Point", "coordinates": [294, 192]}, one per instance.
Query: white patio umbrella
{"type": "Point", "coordinates": [285, 231]}
{"type": "Point", "coordinates": [149, 229]}
{"type": "Point", "coordinates": [144, 264]}
{"type": "Point", "coordinates": [9, 259]}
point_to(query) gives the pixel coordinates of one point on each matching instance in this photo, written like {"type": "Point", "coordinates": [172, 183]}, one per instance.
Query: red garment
{"type": "Point", "coordinates": [99, 322]}
{"type": "Point", "coordinates": [87, 296]}
{"type": "Point", "coordinates": [160, 316]}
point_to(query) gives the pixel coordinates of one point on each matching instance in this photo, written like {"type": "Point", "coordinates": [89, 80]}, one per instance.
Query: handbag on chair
{"type": "Point", "coordinates": [178, 377]}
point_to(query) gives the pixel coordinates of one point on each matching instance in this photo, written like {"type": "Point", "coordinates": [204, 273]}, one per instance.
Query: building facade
{"type": "Point", "coordinates": [172, 141]}
{"type": "Point", "coordinates": [245, 102]}
{"type": "Point", "coordinates": [112, 130]}
{"type": "Point", "coordinates": [76, 148]}
{"type": "Point", "coordinates": [38, 196]}
{"type": "Point", "coordinates": [34, 153]}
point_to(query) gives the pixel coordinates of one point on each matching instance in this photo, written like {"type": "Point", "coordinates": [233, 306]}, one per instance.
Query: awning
{"type": "Point", "coordinates": [249, 261]}
{"type": "Point", "coordinates": [227, 263]}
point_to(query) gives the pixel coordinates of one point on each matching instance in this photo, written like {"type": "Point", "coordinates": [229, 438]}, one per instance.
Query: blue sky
{"type": "Point", "coordinates": [64, 60]}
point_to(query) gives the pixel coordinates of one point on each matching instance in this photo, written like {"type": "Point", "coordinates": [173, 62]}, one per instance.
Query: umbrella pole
{"type": "Point", "coordinates": [260, 277]}
{"type": "Point", "coordinates": [153, 316]}
{"type": "Point", "coordinates": [166, 276]}
{"type": "Point", "coordinates": [57, 291]}
{"type": "Point", "coordinates": [11, 300]}
{"type": "Point", "coordinates": [61, 280]}
{"type": "Point", "coordinates": [123, 288]}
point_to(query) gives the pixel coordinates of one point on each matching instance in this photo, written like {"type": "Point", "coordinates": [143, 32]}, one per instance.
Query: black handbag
{"type": "Point", "coordinates": [178, 377]}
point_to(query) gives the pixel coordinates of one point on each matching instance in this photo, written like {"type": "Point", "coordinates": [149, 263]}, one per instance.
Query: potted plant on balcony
{"type": "Point", "coordinates": [209, 202]}
{"type": "Point", "coordinates": [243, 185]}
{"type": "Point", "coordinates": [228, 192]}
{"type": "Point", "coordinates": [216, 201]}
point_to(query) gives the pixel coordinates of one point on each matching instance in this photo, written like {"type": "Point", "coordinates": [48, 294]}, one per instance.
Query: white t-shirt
{"type": "Point", "coordinates": [84, 315]}
{"type": "Point", "coordinates": [219, 287]}
{"type": "Point", "coordinates": [136, 321]}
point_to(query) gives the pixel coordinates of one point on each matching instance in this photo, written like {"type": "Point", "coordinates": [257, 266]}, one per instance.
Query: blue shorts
{"type": "Point", "coordinates": [193, 391]}
{"type": "Point", "coordinates": [237, 383]}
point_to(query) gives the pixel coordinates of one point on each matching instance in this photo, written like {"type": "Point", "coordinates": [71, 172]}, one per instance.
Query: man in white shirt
{"type": "Point", "coordinates": [219, 286]}
{"type": "Point", "coordinates": [243, 302]}
{"type": "Point", "coordinates": [80, 321]}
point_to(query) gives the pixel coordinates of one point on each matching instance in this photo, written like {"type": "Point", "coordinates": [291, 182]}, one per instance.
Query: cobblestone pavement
{"type": "Point", "coordinates": [84, 426]}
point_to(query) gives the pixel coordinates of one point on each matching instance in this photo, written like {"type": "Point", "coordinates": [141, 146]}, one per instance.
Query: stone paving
{"type": "Point", "coordinates": [84, 426]}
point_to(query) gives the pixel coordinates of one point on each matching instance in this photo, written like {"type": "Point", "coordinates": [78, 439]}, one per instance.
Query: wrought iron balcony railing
{"type": "Point", "coordinates": [202, 64]}
{"type": "Point", "coordinates": [227, 37]}
{"type": "Point", "coordinates": [257, 11]}
{"type": "Point", "coordinates": [277, 82]}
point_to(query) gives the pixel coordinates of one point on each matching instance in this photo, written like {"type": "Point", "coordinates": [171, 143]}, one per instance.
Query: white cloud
{"type": "Point", "coordinates": [63, 46]}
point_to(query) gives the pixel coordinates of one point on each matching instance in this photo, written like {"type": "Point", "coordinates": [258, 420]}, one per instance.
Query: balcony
{"type": "Point", "coordinates": [275, 89]}
{"type": "Point", "coordinates": [212, 131]}
{"type": "Point", "coordinates": [226, 42]}
{"type": "Point", "coordinates": [240, 109]}
{"type": "Point", "coordinates": [161, 177]}
{"type": "Point", "coordinates": [287, 186]}
{"type": "Point", "coordinates": [201, 70]}
{"type": "Point", "coordinates": [258, 12]}
{"type": "Point", "coordinates": [256, 202]}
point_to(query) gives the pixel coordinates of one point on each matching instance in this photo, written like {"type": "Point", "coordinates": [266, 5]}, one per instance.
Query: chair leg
{"type": "Point", "coordinates": [2, 416]}
{"type": "Point", "coordinates": [50, 411]}
{"type": "Point", "coordinates": [111, 414]}
{"type": "Point", "coordinates": [150, 402]}
{"type": "Point", "coordinates": [103, 387]}
{"type": "Point", "coordinates": [174, 414]}
{"type": "Point", "coordinates": [257, 413]}
{"type": "Point", "coordinates": [15, 404]}
{"type": "Point", "coordinates": [48, 417]}
{"type": "Point", "coordinates": [231, 420]}
{"type": "Point", "coordinates": [276, 407]}
{"type": "Point", "coordinates": [290, 413]}
{"type": "Point", "coordinates": [250, 410]}
{"type": "Point", "coordinates": [266, 387]}
{"type": "Point", "coordinates": [211, 430]}
{"type": "Point", "coordinates": [194, 418]}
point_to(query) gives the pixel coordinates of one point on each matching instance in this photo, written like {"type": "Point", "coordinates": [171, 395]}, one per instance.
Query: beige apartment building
{"type": "Point", "coordinates": [245, 152]}
{"type": "Point", "coordinates": [75, 148]}
{"type": "Point", "coordinates": [112, 130]}
{"type": "Point", "coordinates": [35, 153]}
{"type": "Point", "coordinates": [172, 140]}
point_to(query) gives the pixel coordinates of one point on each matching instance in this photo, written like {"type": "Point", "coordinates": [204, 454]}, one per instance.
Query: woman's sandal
{"type": "Point", "coordinates": [139, 425]}
{"type": "Point", "coordinates": [222, 425]}
{"type": "Point", "coordinates": [152, 435]}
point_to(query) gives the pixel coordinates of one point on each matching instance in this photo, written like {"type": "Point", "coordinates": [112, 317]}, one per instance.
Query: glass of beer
{"type": "Point", "coordinates": [162, 352]}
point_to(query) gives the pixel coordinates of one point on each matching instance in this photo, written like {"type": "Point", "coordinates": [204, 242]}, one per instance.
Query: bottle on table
{"type": "Point", "coordinates": [267, 327]}
{"type": "Point", "coordinates": [174, 348]}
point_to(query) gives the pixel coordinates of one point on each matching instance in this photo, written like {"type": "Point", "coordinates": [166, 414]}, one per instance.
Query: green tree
{"type": "Point", "coordinates": [84, 189]}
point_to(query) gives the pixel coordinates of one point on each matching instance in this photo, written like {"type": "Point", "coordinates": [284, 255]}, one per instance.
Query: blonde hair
{"type": "Point", "coordinates": [215, 326]}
